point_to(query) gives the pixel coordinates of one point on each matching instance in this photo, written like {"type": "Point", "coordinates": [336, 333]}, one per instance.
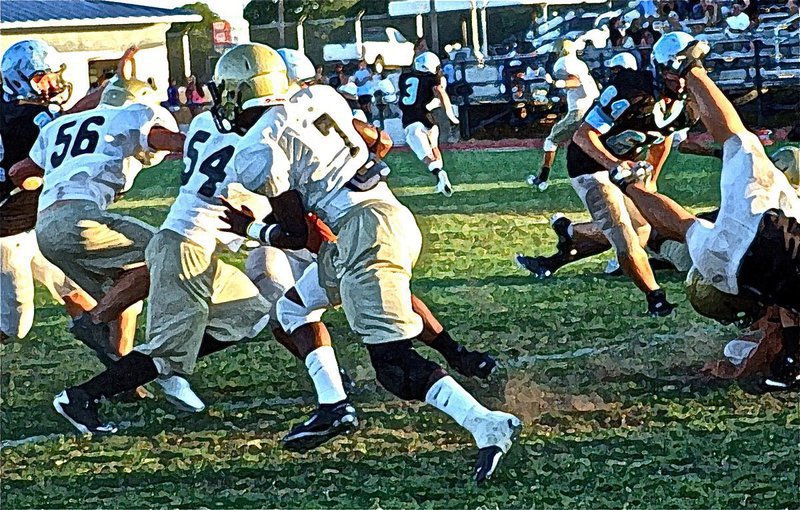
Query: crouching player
{"type": "Point", "coordinates": [751, 249]}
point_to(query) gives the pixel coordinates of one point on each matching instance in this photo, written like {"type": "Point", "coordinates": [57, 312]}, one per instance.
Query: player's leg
{"type": "Point", "coordinates": [377, 250]}
{"type": "Point", "coordinates": [561, 132]}
{"type": "Point", "coordinates": [459, 358]}
{"type": "Point", "coordinates": [299, 312]}
{"type": "Point", "coordinates": [16, 284]}
{"type": "Point", "coordinates": [421, 141]}
{"type": "Point", "coordinates": [609, 210]}
{"type": "Point", "coordinates": [63, 290]}
{"type": "Point", "coordinates": [576, 241]}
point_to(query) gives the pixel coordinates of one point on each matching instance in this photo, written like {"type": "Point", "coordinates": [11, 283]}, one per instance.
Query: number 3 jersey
{"type": "Point", "coordinates": [208, 174]}
{"type": "Point", "coordinates": [95, 155]}
{"type": "Point", "coordinates": [630, 119]}
{"type": "Point", "coordinates": [308, 145]}
{"type": "Point", "coordinates": [416, 93]}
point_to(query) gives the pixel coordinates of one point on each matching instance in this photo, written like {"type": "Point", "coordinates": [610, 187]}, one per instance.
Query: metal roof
{"type": "Point", "coordinates": [82, 13]}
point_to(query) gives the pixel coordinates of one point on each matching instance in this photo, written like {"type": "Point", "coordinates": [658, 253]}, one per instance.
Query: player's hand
{"type": "Point", "coordinates": [548, 78]}
{"type": "Point", "coordinates": [237, 219]}
{"type": "Point", "coordinates": [318, 233]}
{"type": "Point", "coordinates": [628, 172]}
{"type": "Point", "coordinates": [127, 60]}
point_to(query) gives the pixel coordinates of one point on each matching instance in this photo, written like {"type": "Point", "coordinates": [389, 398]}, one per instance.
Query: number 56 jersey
{"type": "Point", "coordinates": [208, 175]}
{"type": "Point", "coordinates": [95, 155]}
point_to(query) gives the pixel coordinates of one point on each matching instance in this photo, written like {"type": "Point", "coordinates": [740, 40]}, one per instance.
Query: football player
{"type": "Point", "coordinates": [422, 90]}
{"type": "Point", "coordinates": [573, 75]}
{"type": "Point", "coordinates": [34, 91]}
{"type": "Point", "coordinates": [751, 249]}
{"type": "Point", "coordinates": [305, 154]}
{"type": "Point", "coordinates": [629, 128]}
{"type": "Point", "coordinates": [275, 271]}
{"type": "Point", "coordinates": [87, 160]}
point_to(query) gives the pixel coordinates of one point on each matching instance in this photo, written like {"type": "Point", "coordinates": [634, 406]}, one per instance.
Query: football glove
{"type": "Point", "coordinates": [625, 174]}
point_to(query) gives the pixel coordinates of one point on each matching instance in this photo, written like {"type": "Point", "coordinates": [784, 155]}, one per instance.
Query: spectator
{"type": "Point", "coordinates": [615, 28]}
{"type": "Point", "coordinates": [793, 7]}
{"type": "Point", "coordinates": [173, 100]}
{"type": "Point", "coordinates": [319, 77]}
{"type": "Point", "coordinates": [363, 80]}
{"type": "Point", "coordinates": [339, 78]}
{"type": "Point", "coordinates": [191, 89]}
{"type": "Point", "coordinates": [420, 46]}
{"type": "Point", "coordinates": [648, 9]}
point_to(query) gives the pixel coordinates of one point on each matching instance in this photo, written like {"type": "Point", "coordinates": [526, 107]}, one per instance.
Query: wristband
{"type": "Point", "coordinates": [260, 231]}
{"type": "Point", "coordinates": [560, 84]}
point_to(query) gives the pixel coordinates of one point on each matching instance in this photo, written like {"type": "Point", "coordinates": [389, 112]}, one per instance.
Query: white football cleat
{"type": "Point", "coordinates": [443, 186]}
{"type": "Point", "coordinates": [180, 394]}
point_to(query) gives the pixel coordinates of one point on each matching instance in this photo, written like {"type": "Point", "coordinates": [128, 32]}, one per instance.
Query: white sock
{"type": "Point", "coordinates": [324, 372]}
{"type": "Point", "coordinates": [435, 165]}
{"type": "Point", "coordinates": [451, 398]}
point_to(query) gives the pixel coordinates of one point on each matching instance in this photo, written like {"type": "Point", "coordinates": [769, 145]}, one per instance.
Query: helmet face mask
{"type": "Point", "coordinates": [248, 76]}
{"type": "Point", "coordinates": [32, 73]}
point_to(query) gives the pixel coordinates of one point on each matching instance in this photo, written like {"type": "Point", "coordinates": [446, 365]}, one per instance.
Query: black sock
{"type": "Point", "coordinates": [791, 341]}
{"type": "Point", "coordinates": [131, 371]}
{"type": "Point", "coordinates": [210, 345]}
{"type": "Point", "coordinates": [446, 346]}
{"type": "Point", "coordinates": [544, 173]}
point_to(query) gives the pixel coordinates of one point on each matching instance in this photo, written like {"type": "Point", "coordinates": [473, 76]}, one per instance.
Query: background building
{"type": "Point", "coordinates": [92, 35]}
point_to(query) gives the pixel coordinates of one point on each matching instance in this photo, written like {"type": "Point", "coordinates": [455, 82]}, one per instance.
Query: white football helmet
{"type": "Point", "coordinates": [299, 68]}
{"type": "Point", "coordinates": [676, 50]}
{"type": "Point", "coordinates": [427, 62]}
{"type": "Point", "coordinates": [623, 60]}
{"type": "Point", "coordinates": [23, 62]}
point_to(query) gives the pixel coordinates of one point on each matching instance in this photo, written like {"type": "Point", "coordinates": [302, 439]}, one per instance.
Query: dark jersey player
{"type": "Point", "coordinates": [34, 92]}
{"type": "Point", "coordinates": [421, 91]}
{"type": "Point", "coordinates": [630, 127]}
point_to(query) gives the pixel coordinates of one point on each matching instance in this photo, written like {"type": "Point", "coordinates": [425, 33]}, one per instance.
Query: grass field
{"type": "Point", "coordinates": [616, 411]}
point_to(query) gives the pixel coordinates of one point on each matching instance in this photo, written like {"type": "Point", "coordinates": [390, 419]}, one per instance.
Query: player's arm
{"type": "Point", "coordinates": [588, 139]}
{"type": "Point", "coordinates": [657, 156]}
{"type": "Point", "coordinates": [162, 139]}
{"type": "Point", "coordinates": [378, 141]}
{"type": "Point", "coordinates": [26, 174]}
{"type": "Point", "coordinates": [570, 82]}
{"type": "Point", "coordinates": [666, 216]}
{"type": "Point", "coordinates": [441, 93]}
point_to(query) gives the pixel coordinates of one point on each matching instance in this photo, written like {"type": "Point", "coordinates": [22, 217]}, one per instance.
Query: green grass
{"type": "Point", "coordinates": [616, 411]}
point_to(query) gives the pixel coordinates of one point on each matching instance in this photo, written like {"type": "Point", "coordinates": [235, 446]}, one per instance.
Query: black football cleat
{"type": "Point", "coordinates": [327, 422]}
{"type": "Point", "coordinates": [81, 411]}
{"type": "Point", "coordinates": [657, 304]}
{"type": "Point", "coordinates": [785, 374]}
{"type": "Point", "coordinates": [94, 336]}
{"type": "Point", "coordinates": [540, 267]}
{"type": "Point", "coordinates": [488, 460]}
{"type": "Point", "coordinates": [472, 363]}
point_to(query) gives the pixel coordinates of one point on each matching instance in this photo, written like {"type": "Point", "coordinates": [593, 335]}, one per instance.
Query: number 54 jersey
{"type": "Point", "coordinates": [95, 155]}
{"type": "Point", "coordinates": [208, 175]}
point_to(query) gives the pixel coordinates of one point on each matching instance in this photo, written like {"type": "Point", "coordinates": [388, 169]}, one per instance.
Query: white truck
{"type": "Point", "coordinates": [380, 47]}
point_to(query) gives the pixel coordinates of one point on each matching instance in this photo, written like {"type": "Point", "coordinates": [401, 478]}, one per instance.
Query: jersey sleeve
{"type": "Point", "coordinates": [150, 117]}
{"type": "Point", "coordinates": [261, 164]}
{"type": "Point", "coordinates": [38, 153]}
{"type": "Point", "coordinates": [615, 103]}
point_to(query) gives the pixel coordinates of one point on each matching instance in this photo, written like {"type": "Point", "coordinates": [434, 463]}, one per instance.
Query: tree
{"type": "Point", "coordinates": [262, 12]}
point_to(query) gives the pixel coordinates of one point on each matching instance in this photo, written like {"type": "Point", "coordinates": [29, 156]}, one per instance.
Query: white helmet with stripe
{"type": "Point", "coordinates": [624, 60]}
{"type": "Point", "coordinates": [427, 62]}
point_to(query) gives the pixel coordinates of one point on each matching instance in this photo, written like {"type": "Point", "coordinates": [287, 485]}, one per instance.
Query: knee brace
{"type": "Point", "coordinates": [402, 371]}
{"type": "Point", "coordinates": [292, 315]}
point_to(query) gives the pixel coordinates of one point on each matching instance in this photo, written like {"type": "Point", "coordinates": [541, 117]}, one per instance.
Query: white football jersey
{"type": "Point", "coordinates": [581, 97]}
{"type": "Point", "coordinates": [208, 174]}
{"type": "Point", "coordinates": [311, 146]}
{"type": "Point", "coordinates": [95, 155]}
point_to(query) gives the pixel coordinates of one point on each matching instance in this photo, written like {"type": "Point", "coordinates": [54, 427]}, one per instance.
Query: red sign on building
{"type": "Point", "coordinates": [221, 35]}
